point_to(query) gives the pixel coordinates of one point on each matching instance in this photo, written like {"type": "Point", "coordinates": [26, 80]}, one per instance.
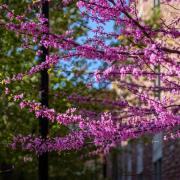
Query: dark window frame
{"type": "Point", "coordinates": [158, 169]}
{"type": "Point", "coordinates": [140, 176]}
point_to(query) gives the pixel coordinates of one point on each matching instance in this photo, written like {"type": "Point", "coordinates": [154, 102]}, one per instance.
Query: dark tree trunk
{"type": "Point", "coordinates": [44, 86]}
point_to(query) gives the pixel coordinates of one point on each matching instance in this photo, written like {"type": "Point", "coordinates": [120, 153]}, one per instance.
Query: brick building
{"type": "Point", "coordinates": [151, 159]}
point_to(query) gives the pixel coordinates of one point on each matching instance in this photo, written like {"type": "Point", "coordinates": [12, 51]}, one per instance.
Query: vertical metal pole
{"type": "Point", "coordinates": [44, 86]}
{"type": "Point", "coordinates": [157, 137]}
{"type": "Point", "coordinates": [158, 82]}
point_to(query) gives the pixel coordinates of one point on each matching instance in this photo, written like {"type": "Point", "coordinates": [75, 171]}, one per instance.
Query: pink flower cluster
{"type": "Point", "coordinates": [69, 117]}
{"type": "Point", "coordinates": [40, 145]}
{"type": "Point", "coordinates": [133, 61]}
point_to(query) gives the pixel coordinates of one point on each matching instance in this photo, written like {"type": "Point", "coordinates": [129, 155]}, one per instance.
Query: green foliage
{"type": "Point", "coordinates": [153, 21]}
{"type": "Point", "coordinates": [63, 18]}
{"type": "Point", "coordinates": [13, 121]}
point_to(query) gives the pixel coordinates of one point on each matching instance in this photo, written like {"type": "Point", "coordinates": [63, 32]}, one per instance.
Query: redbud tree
{"type": "Point", "coordinates": [146, 48]}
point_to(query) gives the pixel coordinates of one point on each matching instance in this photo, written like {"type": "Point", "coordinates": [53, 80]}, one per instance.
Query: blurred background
{"type": "Point", "coordinates": [146, 158]}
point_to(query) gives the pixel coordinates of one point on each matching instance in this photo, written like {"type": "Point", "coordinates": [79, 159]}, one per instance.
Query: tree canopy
{"type": "Point", "coordinates": [145, 56]}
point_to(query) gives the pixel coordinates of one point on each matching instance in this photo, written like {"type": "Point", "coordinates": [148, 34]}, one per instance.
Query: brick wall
{"type": "Point", "coordinates": [170, 163]}
{"type": "Point", "coordinates": [171, 160]}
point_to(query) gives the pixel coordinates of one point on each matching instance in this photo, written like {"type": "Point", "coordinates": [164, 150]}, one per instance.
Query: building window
{"type": "Point", "coordinates": [139, 161]}
{"type": "Point", "coordinates": [156, 3]}
{"type": "Point", "coordinates": [157, 169]}
{"type": "Point", "coordinates": [129, 163]}
{"type": "Point", "coordinates": [157, 155]}
{"type": "Point", "coordinates": [140, 176]}
{"type": "Point", "coordinates": [114, 166]}
{"type": "Point", "coordinates": [157, 146]}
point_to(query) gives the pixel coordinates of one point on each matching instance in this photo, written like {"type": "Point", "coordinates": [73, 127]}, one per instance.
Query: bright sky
{"type": "Point", "coordinates": [92, 65]}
